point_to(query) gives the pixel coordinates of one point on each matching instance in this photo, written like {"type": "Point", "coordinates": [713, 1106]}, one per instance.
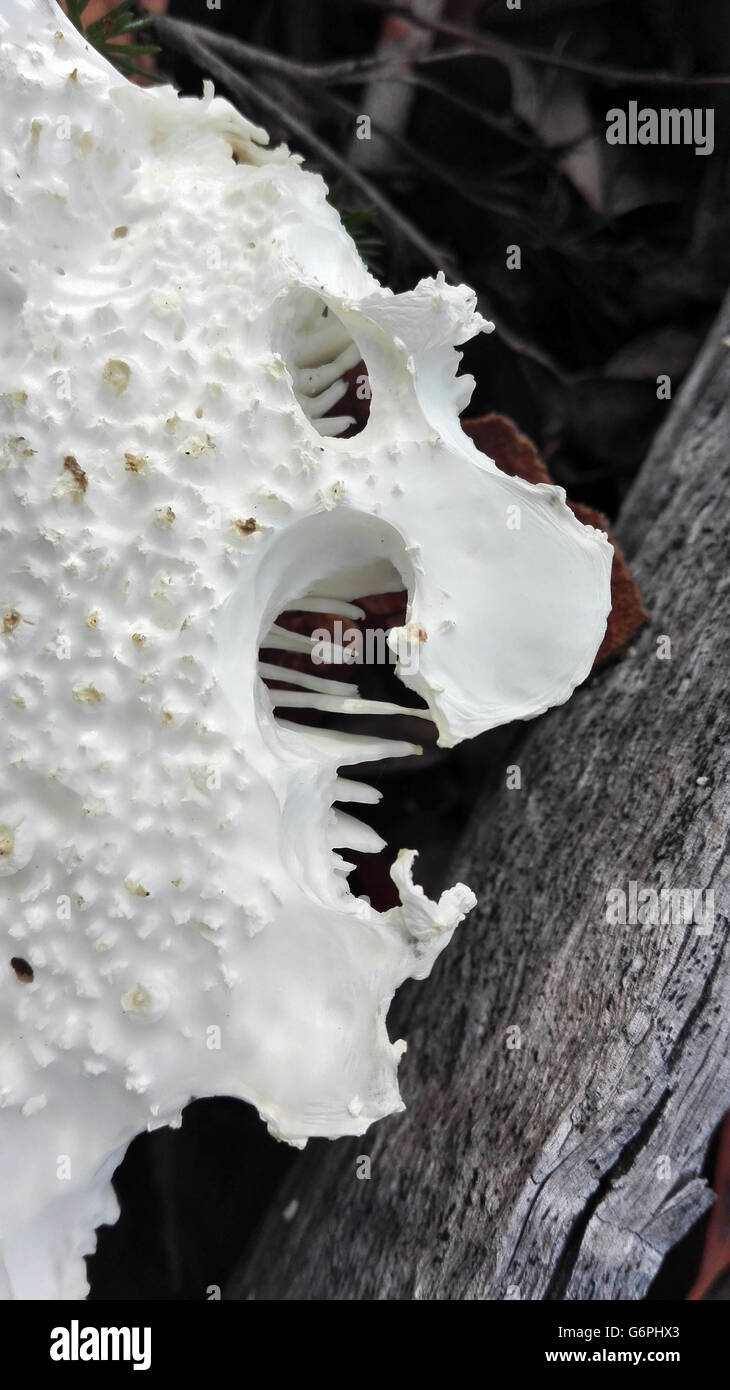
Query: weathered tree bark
{"type": "Point", "coordinates": [567, 1166]}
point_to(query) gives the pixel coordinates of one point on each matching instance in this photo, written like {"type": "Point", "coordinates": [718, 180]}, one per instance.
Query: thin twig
{"type": "Point", "coordinates": [237, 48]}
{"type": "Point", "coordinates": [347, 69]}
{"type": "Point", "coordinates": [504, 49]}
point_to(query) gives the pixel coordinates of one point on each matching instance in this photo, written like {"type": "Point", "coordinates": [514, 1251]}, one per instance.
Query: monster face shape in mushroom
{"type": "Point", "coordinates": [177, 469]}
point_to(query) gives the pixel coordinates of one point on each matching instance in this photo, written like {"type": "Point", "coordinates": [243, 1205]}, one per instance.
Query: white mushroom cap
{"type": "Point", "coordinates": [174, 326]}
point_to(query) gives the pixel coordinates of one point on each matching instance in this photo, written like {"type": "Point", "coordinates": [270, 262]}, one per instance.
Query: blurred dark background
{"type": "Point", "coordinates": [492, 137]}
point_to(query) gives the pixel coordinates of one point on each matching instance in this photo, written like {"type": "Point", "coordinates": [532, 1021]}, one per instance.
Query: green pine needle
{"type": "Point", "coordinates": [362, 225]}
{"type": "Point", "coordinates": [120, 22]}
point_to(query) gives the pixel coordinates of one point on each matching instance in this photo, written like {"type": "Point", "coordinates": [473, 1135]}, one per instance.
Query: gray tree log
{"type": "Point", "coordinates": [566, 1166]}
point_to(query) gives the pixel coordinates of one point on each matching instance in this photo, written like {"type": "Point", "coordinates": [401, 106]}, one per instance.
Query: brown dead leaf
{"type": "Point", "coordinates": [714, 1273]}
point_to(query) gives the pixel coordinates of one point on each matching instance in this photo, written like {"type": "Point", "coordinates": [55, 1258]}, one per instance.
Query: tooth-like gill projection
{"type": "Point", "coordinates": [320, 352]}
{"type": "Point", "coordinates": [302, 660]}
{"type": "Point", "coordinates": [168, 878]}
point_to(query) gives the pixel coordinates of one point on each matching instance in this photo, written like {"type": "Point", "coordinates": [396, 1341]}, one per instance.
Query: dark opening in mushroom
{"type": "Point", "coordinates": [22, 969]}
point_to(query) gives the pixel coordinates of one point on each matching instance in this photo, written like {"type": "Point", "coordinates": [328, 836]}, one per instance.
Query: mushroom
{"type": "Point", "coordinates": [170, 868]}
